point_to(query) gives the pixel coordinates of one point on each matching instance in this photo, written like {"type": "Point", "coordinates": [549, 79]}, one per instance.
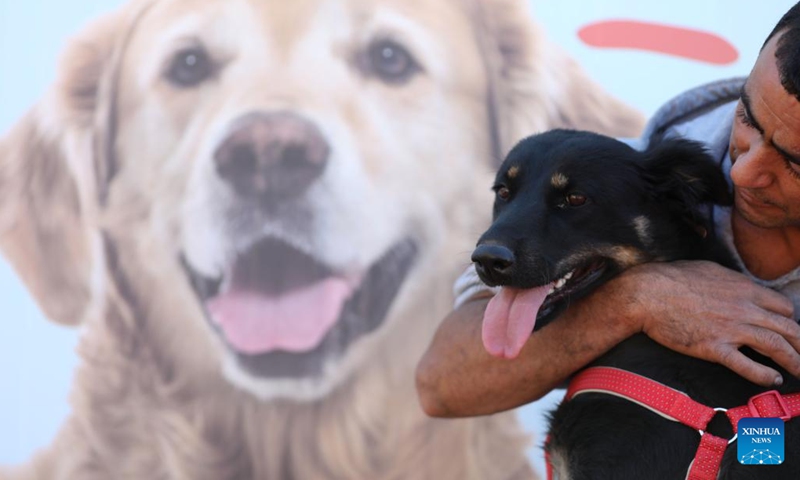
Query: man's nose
{"type": "Point", "coordinates": [753, 168]}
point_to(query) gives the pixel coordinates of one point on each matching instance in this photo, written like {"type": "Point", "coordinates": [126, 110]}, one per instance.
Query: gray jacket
{"type": "Point", "coordinates": [706, 114]}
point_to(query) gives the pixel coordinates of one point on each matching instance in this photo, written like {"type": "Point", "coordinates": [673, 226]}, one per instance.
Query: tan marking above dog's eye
{"type": "Point", "coordinates": [513, 171]}
{"type": "Point", "coordinates": [559, 180]}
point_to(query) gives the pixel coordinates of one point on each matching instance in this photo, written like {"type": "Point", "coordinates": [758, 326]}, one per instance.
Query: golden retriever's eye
{"type": "Point", "coordinates": [390, 62]}
{"type": "Point", "coordinates": [576, 200]}
{"type": "Point", "coordinates": [189, 67]}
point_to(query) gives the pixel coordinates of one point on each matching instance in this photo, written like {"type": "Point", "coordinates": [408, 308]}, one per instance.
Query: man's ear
{"type": "Point", "coordinates": [48, 186]}
{"type": "Point", "coordinates": [682, 172]}
{"type": "Point", "coordinates": [536, 86]}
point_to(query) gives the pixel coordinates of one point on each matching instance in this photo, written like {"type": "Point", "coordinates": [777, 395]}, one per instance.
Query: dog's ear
{"type": "Point", "coordinates": [683, 173]}
{"type": "Point", "coordinates": [48, 185]}
{"type": "Point", "coordinates": [536, 86]}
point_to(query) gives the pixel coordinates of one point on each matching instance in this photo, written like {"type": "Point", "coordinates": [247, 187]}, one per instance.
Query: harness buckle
{"type": "Point", "coordinates": [778, 399]}
{"type": "Point", "coordinates": [735, 434]}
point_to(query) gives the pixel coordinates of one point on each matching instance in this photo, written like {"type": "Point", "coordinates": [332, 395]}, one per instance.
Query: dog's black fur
{"type": "Point", "coordinates": [569, 200]}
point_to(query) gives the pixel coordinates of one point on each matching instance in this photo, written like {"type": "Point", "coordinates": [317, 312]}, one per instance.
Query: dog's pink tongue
{"type": "Point", "coordinates": [509, 319]}
{"type": "Point", "coordinates": [295, 321]}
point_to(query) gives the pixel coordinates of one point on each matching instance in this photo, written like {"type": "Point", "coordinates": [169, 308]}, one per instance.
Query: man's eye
{"type": "Point", "coordinates": [391, 62]}
{"type": "Point", "coordinates": [743, 117]}
{"type": "Point", "coordinates": [189, 67]}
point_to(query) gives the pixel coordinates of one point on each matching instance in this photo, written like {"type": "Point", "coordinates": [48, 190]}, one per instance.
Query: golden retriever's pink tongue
{"type": "Point", "coordinates": [295, 321]}
{"type": "Point", "coordinates": [509, 319]}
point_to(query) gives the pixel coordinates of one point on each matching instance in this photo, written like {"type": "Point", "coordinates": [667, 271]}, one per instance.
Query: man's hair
{"type": "Point", "coordinates": [787, 55]}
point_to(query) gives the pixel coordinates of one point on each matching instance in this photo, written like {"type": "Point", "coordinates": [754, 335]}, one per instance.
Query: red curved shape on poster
{"type": "Point", "coordinates": [653, 37]}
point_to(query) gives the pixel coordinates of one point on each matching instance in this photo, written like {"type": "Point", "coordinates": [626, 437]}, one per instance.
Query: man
{"type": "Point", "coordinates": [694, 307]}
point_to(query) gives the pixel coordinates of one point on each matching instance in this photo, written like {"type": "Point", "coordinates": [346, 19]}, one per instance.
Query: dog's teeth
{"type": "Point", "coordinates": [552, 289]}
{"type": "Point", "coordinates": [561, 282]}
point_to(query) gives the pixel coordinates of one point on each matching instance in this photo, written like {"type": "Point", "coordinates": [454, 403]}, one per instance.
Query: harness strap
{"type": "Point", "coordinates": [769, 404]}
{"type": "Point", "coordinates": [657, 397]}
{"type": "Point", "coordinates": [679, 407]}
{"type": "Point", "coordinates": [708, 458]}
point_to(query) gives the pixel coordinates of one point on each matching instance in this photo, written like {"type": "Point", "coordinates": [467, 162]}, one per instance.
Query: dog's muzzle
{"type": "Point", "coordinates": [272, 157]}
{"type": "Point", "coordinates": [285, 315]}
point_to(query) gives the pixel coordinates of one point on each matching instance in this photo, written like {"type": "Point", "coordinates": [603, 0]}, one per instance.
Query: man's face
{"type": "Point", "coordinates": [765, 148]}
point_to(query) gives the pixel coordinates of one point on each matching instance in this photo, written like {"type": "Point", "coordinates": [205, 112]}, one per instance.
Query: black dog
{"type": "Point", "coordinates": [573, 209]}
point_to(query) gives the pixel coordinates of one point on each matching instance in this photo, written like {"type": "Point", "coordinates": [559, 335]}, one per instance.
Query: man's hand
{"type": "Point", "coordinates": [697, 308]}
{"type": "Point", "coordinates": [706, 311]}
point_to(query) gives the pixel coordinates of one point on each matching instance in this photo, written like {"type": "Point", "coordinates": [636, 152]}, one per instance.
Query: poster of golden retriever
{"type": "Point", "coordinates": [254, 211]}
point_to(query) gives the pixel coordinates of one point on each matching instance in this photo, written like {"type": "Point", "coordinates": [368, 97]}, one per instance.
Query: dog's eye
{"type": "Point", "coordinates": [576, 199]}
{"type": "Point", "coordinates": [390, 62]}
{"type": "Point", "coordinates": [502, 192]}
{"type": "Point", "coordinates": [189, 67]}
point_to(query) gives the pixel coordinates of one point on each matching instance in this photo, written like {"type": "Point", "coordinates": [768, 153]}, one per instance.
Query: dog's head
{"type": "Point", "coordinates": [572, 209]}
{"type": "Point", "coordinates": [257, 181]}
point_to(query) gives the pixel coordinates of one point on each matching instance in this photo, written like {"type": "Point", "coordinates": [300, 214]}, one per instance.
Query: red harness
{"type": "Point", "coordinates": [678, 407]}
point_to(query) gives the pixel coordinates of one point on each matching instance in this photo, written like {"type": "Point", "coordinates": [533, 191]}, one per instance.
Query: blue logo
{"type": "Point", "coordinates": [760, 441]}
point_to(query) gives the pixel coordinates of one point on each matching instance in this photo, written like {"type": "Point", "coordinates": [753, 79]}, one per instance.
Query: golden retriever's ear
{"type": "Point", "coordinates": [537, 86]}
{"type": "Point", "coordinates": [48, 192]}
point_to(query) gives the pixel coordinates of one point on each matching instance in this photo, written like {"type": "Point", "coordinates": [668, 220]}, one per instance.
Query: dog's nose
{"type": "Point", "coordinates": [272, 156]}
{"type": "Point", "coordinates": [493, 260]}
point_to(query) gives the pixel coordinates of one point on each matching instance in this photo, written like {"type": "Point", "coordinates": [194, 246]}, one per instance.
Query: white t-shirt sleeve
{"type": "Point", "coordinates": [469, 284]}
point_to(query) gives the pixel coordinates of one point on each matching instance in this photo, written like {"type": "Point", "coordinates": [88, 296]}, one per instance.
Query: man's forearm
{"type": "Point", "coordinates": [457, 377]}
{"type": "Point", "coordinates": [696, 308]}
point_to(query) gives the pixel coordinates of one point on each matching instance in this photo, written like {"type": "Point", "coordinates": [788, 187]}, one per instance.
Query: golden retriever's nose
{"type": "Point", "coordinates": [271, 156]}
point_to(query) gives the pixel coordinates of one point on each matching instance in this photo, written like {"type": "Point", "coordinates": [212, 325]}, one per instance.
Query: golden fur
{"type": "Point", "coordinates": [94, 239]}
